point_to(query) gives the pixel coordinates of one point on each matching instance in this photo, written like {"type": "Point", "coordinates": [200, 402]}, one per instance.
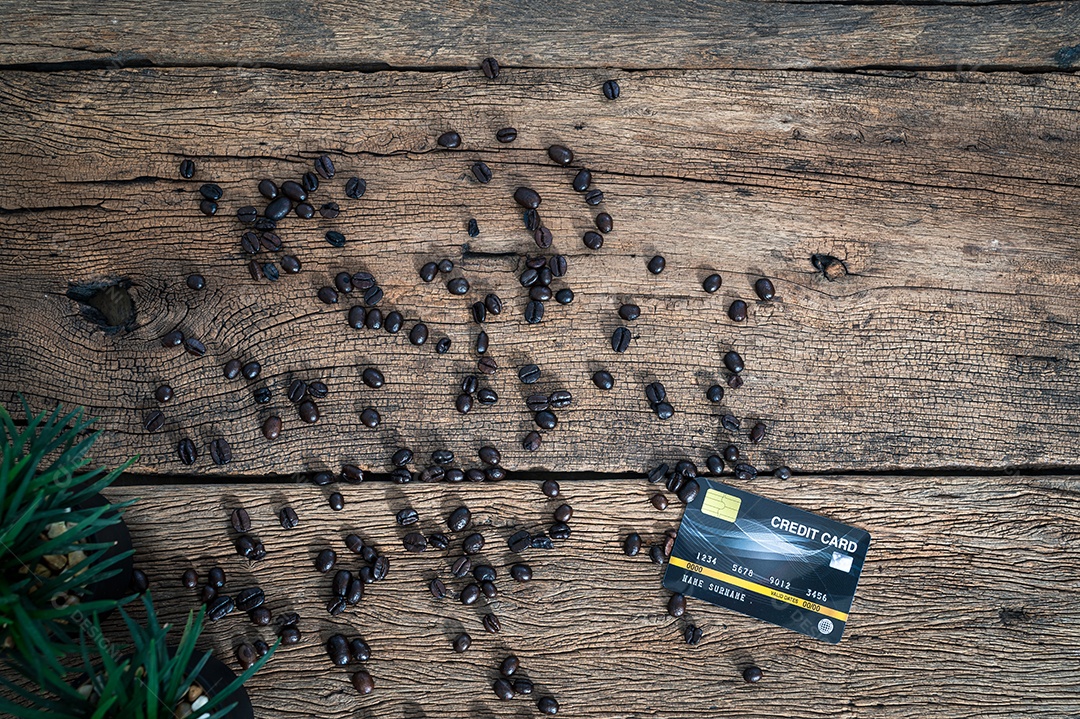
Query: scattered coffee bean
{"type": "Point", "coordinates": [745, 472]}
{"type": "Point", "coordinates": [521, 572]}
{"type": "Point", "coordinates": [715, 393]}
{"type": "Point", "coordinates": [532, 442]}
{"type": "Point", "coordinates": [461, 567]}
{"type": "Point", "coordinates": [582, 180]}
{"type": "Point", "coordinates": [503, 689]}
{"type": "Point", "coordinates": [715, 464]}
{"type": "Point", "coordinates": [372, 377]}
{"type": "Point", "coordinates": [240, 520]}
{"type": "Point", "coordinates": [564, 513]}
{"type": "Point", "coordinates": [659, 501]}
{"type": "Point", "coordinates": [472, 228]}
{"type": "Point", "coordinates": [486, 396]}
{"type": "Point", "coordinates": [764, 289]}
{"type": "Point", "coordinates": [629, 312]}
{"type": "Point", "coordinates": [470, 594]}
{"type": "Point", "coordinates": [458, 286]}
{"type": "Point", "coordinates": [594, 197]}
{"type": "Point", "coordinates": [782, 473]}
{"type": "Point", "coordinates": [473, 543]}
{"type": "Point", "coordinates": [187, 451]}
{"type": "Point", "coordinates": [548, 705]}
{"type": "Point", "coordinates": [418, 335]}
{"type": "Point", "coordinates": [308, 411]}
{"type": "Point", "coordinates": [523, 686]}
{"type": "Point", "coordinates": [194, 347]}
{"type": "Point", "coordinates": [336, 501]}
{"type": "Point", "coordinates": [369, 417]}
{"type": "Point", "coordinates": [546, 420]}
{"type": "Point", "coordinates": [620, 339]}
{"type": "Point", "coordinates": [733, 362]}
{"type": "Point", "coordinates": [442, 346]}
{"type": "Point", "coordinates": [550, 488]}
{"type": "Point", "coordinates": [506, 134]}
{"type": "Point", "coordinates": [482, 173]}
{"type": "Point", "coordinates": [757, 433]}
{"type": "Point", "coordinates": [509, 666]}
{"type": "Point", "coordinates": [288, 518]}
{"type": "Point", "coordinates": [414, 542]}
{"type": "Point", "coordinates": [373, 320]}
{"type": "Point", "coordinates": [611, 89]}
{"type": "Point", "coordinates": [488, 588]}
{"type": "Point", "coordinates": [219, 608]}
{"type": "Point", "coordinates": [310, 182]}
{"type": "Point", "coordinates": [304, 211]}
{"type": "Point", "coordinates": [692, 634]}
{"type": "Point", "coordinates": [632, 544]}
{"type": "Point", "coordinates": [449, 140]}
{"type": "Point", "coordinates": [250, 598]}
{"type": "Point", "coordinates": [211, 192]}
{"type": "Point", "coordinates": [604, 223]}
{"type": "Point", "coordinates": [187, 169]}
{"type": "Point", "coordinates": [593, 240]}
{"type": "Point", "coordinates": [462, 642]}
{"type": "Point", "coordinates": [490, 66]}
{"type": "Point", "coordinates": [689, 492]}
{"type": "Point", "coordinates": [492, 623]}
{"type": "Point", "coordinates": [559, 530]}
{"type": "Point", "coordinates": [711, 283]}
{"type": "Point", "coordinates": [262, 395]}
{"type": "Point", "coordinates": [737, 311]}
{"type": "Point", "coordinates": [527, 198]}
{"type": "Point", "coordinates": [363, 683]}
{"type": "Point", "coordinates": [656, 264]}
{"type": "Point", "coordinates": [325, 167]}
{"type": "Point", "coordinates": [752, 675]}
{"type": "Point", "coordinates": [220, 451]}
{"type": "Point", "coordinates": [559, 155]}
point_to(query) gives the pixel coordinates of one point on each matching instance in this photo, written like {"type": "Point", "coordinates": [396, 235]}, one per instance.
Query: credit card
{"type": "Point", "coordinates": [768, 560]}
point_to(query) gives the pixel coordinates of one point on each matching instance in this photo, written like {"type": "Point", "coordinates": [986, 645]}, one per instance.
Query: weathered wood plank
{"type": "Point", "coordinates": [965, 608]}
{"type": "Point", "coordinates": [951, 342]}
{"type": "Point", "coordinates": [643, 35]}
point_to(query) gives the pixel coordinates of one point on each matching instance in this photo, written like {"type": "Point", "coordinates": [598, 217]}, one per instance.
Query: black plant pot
{"type": "Point", "coordinates": [118, 585]}
{"type": "Point", "coordinates": [214, 677]}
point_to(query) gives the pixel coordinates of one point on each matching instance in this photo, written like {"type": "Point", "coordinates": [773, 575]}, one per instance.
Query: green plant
{"type": "Point", "coordinates": [47, 560]}
{"type": "Point", "coordinates": [145, 681]}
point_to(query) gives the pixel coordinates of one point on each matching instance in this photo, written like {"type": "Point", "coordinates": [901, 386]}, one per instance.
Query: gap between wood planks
{"type": "Point", "coordinates": [157, 480]}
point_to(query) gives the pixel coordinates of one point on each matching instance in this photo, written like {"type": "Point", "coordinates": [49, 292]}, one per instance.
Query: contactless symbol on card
{"type": "Point", "coordinates": [768, 560]}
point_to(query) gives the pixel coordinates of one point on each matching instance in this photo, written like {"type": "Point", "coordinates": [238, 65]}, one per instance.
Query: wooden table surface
{"type": "Point", "coordinates": [925, 390]}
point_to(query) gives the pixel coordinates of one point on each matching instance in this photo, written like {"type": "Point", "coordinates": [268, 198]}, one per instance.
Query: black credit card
{"type": "Point", "coordinates": [767, 560]}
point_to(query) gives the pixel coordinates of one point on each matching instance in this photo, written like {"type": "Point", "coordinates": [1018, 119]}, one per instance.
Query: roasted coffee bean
{"type": "Point", "coordinates": [734, 381]}
{"type": "Point", "coordinates": [173, 339]}
{"type": "Point", "coordinates": [442, 346]}
{"type": "Point", "coordinates": [550, 488]}
{"type": "Point", "coordinates": [489, 455]}
{"type": "Point", "coordinates": [325, 167]}
{"type": "Point", "coordinates": [446, 266]}
{"type": "Point", "coordinates": [318, 389]}
{"type": "Point", "coordinates": [449, 140]}
{"type": "Point", "coordinates": [582, 180]}
{"type": "Point", "coordinates": [401, 475]}
{"type": "Point", "coordinates": [463, 403]}
{"type": "Point", "coordinates": [764, 289]}
{"type": "Point", "coordinates": [482, 173]}
{"type": "Point", "coordinates": [757, 433]}
{"type": "Point", "coordinates": [692, 634]}
{"type": "Point", "coordinates": [187, 169]}
{"type": "Point", "coordinates": [297, 390]}
{"type": "Point", "coordinates": [519, 541]}
{"type": "Point", "coordinates": [293, 190]}
{"type": "Point", "coordinates": [593, 240]}
{"type": "Point", "coordinates": [355, 188]}
{"type": "Point", "coordinates": [240, 520]}
{"type": "Point", "coordinates": [523, 686]}
{"type": "Point", "coordinates": [479, 312]}
{"type": "Point", "coordinates": [745, 472]}
{"type": "Point", "coordinates": [211, 192]}
{"type": "Point", "coordinates": [535, 263]}
{"type": "Point", "coordinates": [548, 705]}
{"type": "Point", "coordinates": [506, 134]}
{"type": "Point", "coordinates": [428, 271]}
{"type": "Point", "coordinates": [536, 402]}
{"type": "Point", "coordinates": [546, 420]}
{"type": "Point", "coordinates": [287, 619]}
{"type": "Point", "coordinates": [220, 451]}
{"type": "Point", "coordinates": [190, 579]}
{"type": "Point", "coordinates": [262, 395]}
{"type": "Point", "coordinates": [187, 451]}
{"type": "Point", "coordinates": [434, 473]}
{"type": "Point", "coordinates": [487, 365]}
{"type": "Point", "coordinates": [539, 293]}
{"type": "Point", "coordinates": [675, 482]}
{"type": "Point", "coordinates": [656, 264]}
{"type": "Point", "coordinates": [486, 396]}
{"type": "Point", "coordinates": [219, 608]}
{"type": "Point", "coordinates": [250, 598]}
{"type": "Point", "coordinates": [564, 513]}
{"type": "Point", "coordinates": [604, 223]}
{"type": "Point", "coordinates": [488, 588]}
{"type": "Point", "coordinates": [308, 412]}
{"type": "Point", "coordinates": [473, 543]}
{"type": "Point", "coordinates": [611, 89]}
{"type": "Point", "coordinates": [629, 312]}
{"type": "Point", "coordinates": [343, 282]}
{"type": "Point", "coordinates": [247, 214]}
{"type": "Point", "coordinates": [206, 594]}
{"type": "Point", "coordinates": [270, 271]}
{"type": "Point", "coordinates": [288, 518]}
{"type": "Point", "coordinates": [620, 339]}
{"type": "Point", "coordinates": [458, 286]}
{"type": "Point", "coordinates": [532, 220]}
{"type": "Point", "coordinates": [472, 228]}
{"type": "Point", "coordinates": [752, 675]}
{"type": "Point", "coordinates": [335, 238]}
{"type": "Point", "coordinates": [268, 189]}
{"type": "Point", "coordinates": [664, 411]}
{"type": "Point", "coordinates": [495, 474]}
{"type": "Point", "coordinates": [715, 393]}
{"type": "Point", "coordinates": [414, 542]}
{"type": "Point", "coordinates": [782, 473]}
{"type": "Point", "coordinates": [438, 540]}
{"type": "Point", "coordinates": [418, 335]}
{"type": "Point", "coordinates": [490, 66]}
{"type": "Point", "coordinates": [290, 264]}
{"type": "Point", "coordinates": [711, 283]}
{"type": "Point", "coordinates": [250, 243]}
{"type": "Point", "coordinates": [730, 422]}
{"type": "Point", "coordinates": [733, 362]}
{"type": "Point", "coordinates": [527, 198]}
{"type": "Point", "coordinates": [372, 377]}
{"type": "Point", "coordinates": [369, 417]}
{"type": "Point", "coordinates": [437, 588]}
{"type": "Point", "coordinates": [290, 634]}
{"type": "Point", "coordinates": [325, 560]}
{"type": "Point", "coordinates": [676, 606]}
{"type": "Point", "coordinates": [393, 322]}
{"type": "Point", "coordinates": [541, 541]}
{"type": "Point", "coordinates": [373, 320]}
{"type": "Point", "coordinates": [559, 530]}
{"type": "Point", "coordinates": [689, 492]}
{"type": "Point", "coordinates": [632, 544]}
{"type": "Point", "coordinates": [461, 567]}
{"type": "Point", "coordinates": [686, 468]}
{"type": "Point", "coordinates": [529, 277]}
{"type": "Point", "coordinates": [560, 155]}
{"type": "Point", "coordinates": [216, 577]}
{"type": "Point", "coordinates": [737, 311]}
{"type": "Point", "coordinates": [659, 501]}
{"type": "Point", "coordinates": [352, 474]}
{"type": "Point", "coordinates": [341, 582]}
{"type": "Point", "coordinates": [603, 379]}
{"type": "Point", "coordinates": [251, 370]}
{"type": "Point", "coordinates": [310, 182]}
{"type": "Point", "coordinates": [492, 624]}
{"type": "Point", "coordinates": [328, 295]}
{"type": "Point", "coordinates": [532, 442]}
{"type": "Point", "coordinates": [154, 421]}
{"type": "Point", "coordinates": [657, 474]}
{"type": "Point", "coordinates": [731, 452]}
{"type": "Point", "coordinates": [363, 683]}
{"type": "Point", "coordinates": [277, 209]}
{"type": "Point", "coordinates": [594, 197]}
{"type": "Point", "coordinates": [355, 543]}
{"type": "Point", "coordinates": [542, 237]}
{"type": "Point", "coordinates": [195, 347]}
{"type": "Point", "coordinates": [462, 642]}
{"type": "Point", "coordinates": [503, 689]}
{"type": "Point", "coordinates": [560, 399]}
{"type": "Point", "coordinates": [475, 474]}
{"type": "Point", "coordinates": [564, 296]}
{"type": "Point", "coordinates": [470, 594]}
{"type": "Point", "coordinates": [336, 501]}
{"type": "Point", "coordinates": [359, 651]}
{"type": "Point", "coordinates": [337, 648]}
